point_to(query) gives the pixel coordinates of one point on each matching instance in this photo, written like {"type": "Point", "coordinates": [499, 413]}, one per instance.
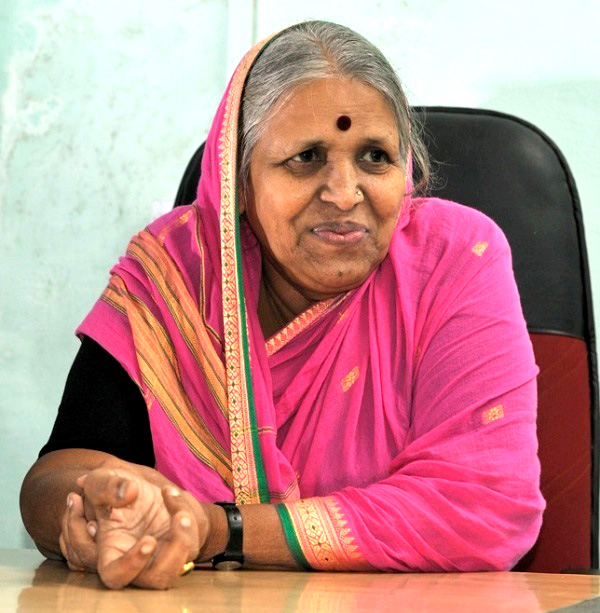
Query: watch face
{"type": "Point", "coordinates": [228, 565]}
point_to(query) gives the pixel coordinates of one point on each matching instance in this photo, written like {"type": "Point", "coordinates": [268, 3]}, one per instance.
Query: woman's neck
{"type": "Point", "coordinates": [278, 302]}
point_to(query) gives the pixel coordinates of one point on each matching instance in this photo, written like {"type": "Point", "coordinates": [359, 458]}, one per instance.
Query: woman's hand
{"type": "Point", "coordinates": [144, 534]}
{"type": "Point", "coordinates": [76, 539]}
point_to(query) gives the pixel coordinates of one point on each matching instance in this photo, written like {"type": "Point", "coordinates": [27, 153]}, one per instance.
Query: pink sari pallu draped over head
{"type": "Point", "coordinates": [393, 425]}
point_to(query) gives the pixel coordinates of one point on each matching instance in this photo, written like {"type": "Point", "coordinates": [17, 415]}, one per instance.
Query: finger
{"type": "Point", "coordinates": [88, 507]}
{"type": "Point", "coordinates": [118, 572]}
{"type": "Point", "coordinates": [68, 551]}
{"type": "Point", "coordinates": [110, 488]}
{"type": "Point", "coordinates": [81, 539]}
{"type": "Point", "coordinates": [175, 502]}
{"type": "Point", "coordinates": [166, 566]}
{"type": "Point", "coordinates": [81, 545]}
{"type": "Point", "coordinates": [62, 545]}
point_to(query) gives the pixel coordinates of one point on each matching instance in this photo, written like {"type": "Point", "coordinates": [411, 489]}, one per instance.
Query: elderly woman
{"type": "Point", "coordinates": [309, 367]}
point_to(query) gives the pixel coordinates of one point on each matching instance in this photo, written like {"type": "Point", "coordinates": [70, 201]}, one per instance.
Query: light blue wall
{"type": "Point", "coordinates": [102, 104]}
{"type": "Point", "coordinates": [103, 101]}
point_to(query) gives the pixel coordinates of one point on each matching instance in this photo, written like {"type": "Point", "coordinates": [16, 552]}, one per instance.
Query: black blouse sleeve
{"type": "Point", "coordinates": [102, 409]}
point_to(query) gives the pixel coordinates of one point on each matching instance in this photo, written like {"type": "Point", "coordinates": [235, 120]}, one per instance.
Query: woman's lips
{"type": "Point", "coordinates": [340, 233]}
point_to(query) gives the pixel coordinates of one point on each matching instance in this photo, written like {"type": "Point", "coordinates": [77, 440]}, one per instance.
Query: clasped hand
{"type": "Point", "coordinates": [131, 531]}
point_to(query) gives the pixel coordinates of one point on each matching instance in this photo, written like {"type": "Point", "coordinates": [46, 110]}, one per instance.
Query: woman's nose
{"type": "Point", "coordinates": [341, 187]}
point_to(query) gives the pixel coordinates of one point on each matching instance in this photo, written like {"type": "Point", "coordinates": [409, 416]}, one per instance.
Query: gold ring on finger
{"type": "Point", "coordinates": [186, 568]}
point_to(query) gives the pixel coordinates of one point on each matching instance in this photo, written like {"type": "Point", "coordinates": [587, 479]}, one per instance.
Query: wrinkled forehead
{"type": "Point", "coordinates": [339, 104]}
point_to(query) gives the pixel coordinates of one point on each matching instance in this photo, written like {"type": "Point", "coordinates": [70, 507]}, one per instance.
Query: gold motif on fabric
{"type": "Point", "coordinates": [324, 536]}
{"type": "Point", "coordinates": [493, 414]}
{"type": "Point", "coordinates": [175, 223]}
{"type": "Point", "coordinates": [342, 316]}
{"type": "Point", "coordinates": [479, 248]}
{"type": "Point", "coordinates": [350, 379]}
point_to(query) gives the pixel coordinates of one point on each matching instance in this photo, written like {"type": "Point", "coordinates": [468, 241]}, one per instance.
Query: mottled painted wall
{"type": "Point", "coordinates": [102, 103]}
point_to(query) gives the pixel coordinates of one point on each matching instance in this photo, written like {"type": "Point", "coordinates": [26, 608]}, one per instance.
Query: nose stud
{"type": "Point", "coordinates": [359, 194]}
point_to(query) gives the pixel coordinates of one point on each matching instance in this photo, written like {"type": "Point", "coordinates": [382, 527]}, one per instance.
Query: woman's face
{"type": "Point", "coordinates": [324, 201]}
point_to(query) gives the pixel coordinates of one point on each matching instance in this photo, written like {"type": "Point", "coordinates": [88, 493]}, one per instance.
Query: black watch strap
{"type": "Point", "coordinates": [233, 556]}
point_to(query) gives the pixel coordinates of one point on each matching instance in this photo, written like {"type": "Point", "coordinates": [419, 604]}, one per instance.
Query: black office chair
{"type": "Point", "coordinates": [515, 174]}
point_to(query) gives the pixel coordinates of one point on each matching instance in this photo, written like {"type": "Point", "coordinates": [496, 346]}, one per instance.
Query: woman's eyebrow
{"type": "Point", "coordinates": [287, 149]}
{"type": "Point", "coordinates": [303, 145]}
{"type": "Point", "coordinates": [380, 141]}
{"type": "Point", "coordinates": [295, 147]}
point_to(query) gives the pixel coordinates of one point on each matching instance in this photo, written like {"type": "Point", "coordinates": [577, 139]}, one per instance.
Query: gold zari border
{"type": "Point", "coordinates": [300, 323]}
{"type": "Point", "coordinates": [245, 478]}
{"type": "Point", "coordinates": [324, 536]}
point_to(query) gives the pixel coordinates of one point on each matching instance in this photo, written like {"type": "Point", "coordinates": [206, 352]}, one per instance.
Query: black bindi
{"type": "Point", "coordinates": [344, 122]}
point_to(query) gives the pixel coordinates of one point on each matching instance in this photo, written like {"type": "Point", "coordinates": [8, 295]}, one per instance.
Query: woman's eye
{"type": "Point", "coordinates": [306, 157]}
{"type": "Point", "coordinates": [376, 156]}
{"type": "Point", "coordinates": [307, 162]}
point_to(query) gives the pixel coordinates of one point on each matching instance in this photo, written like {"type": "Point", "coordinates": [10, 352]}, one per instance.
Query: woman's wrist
{"type": "Point", "coordinates": [217, 532]}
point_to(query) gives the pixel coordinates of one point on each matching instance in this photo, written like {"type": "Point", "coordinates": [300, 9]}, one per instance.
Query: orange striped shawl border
{"type": "Point", "coordinates": [160, 376]}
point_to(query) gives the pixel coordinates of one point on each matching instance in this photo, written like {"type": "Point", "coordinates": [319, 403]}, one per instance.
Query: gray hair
{"type": "Point", "coordinates": [317, 50]}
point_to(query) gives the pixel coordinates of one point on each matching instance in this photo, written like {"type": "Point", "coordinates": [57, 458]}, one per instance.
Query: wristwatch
{"type": "Point", "coordinates": [233, 556]}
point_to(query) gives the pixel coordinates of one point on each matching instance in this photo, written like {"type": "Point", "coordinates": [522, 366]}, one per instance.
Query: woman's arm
{"type": "Point", "coordinates": [264, 541]}
{"type": "Point", "coordinates": [139, 537]}
{"type": "Point", "coordinates": [44, 493]}
{"type": "Point", "coordinates": [50, 480]}
{"type": "Point", "coordinates": [455, 500]}
{"type": "Point", "coordinates": [102, 407]}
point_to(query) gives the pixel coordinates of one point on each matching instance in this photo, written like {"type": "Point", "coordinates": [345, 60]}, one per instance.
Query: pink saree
{"type": "Point", "coordinates": [393, 426]}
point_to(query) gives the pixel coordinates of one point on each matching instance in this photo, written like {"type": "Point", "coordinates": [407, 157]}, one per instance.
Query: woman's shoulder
{"type": "Point", "coordinates": [448, 224]}
{"type": "Point", "coordinates": [170, 221]}
{"type": "Point", "coordinates": [172, 238]}
{"type": "Point", "coordinates": [449, 214]}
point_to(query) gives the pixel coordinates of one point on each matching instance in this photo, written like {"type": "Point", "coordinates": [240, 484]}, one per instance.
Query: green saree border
{"type": "Point", "coordinates": [248, 469]}
{"type": "Point", "coordinates": [261, 477]}
{"type": "Point", "coordinates": [290, 536]}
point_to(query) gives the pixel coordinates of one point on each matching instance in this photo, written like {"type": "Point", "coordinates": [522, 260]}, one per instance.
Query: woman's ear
{"type": "Point", "coordinates": [246, 198]}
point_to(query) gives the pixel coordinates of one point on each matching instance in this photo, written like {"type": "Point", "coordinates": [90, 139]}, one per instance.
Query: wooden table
{"type": "Point", "coordinates": [28, 584]}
